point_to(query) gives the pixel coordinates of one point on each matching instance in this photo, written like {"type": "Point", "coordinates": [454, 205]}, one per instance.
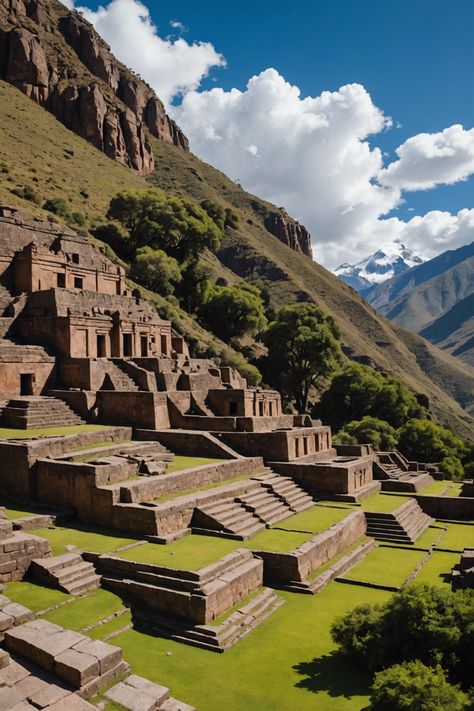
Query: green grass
{"type": "Point", "coordinates": [437, 570]}
{"type": "Point", "coordinates": [384, 503]}
{"type": "Point", "coordinates": [443, 488]}
{"type": "Point", "coordinates": [14, 512]}
{"type": "Point", "coordinates": [189, 553]}
{"type": "Point", "coordinates": [98, 445]}
{"type": "Point", "coordinates": [33, 596]}
{"type": "Point", "coordinates": [181, 462]}
{"type": "Point", "coordinates": [107, 628]}
{"type": "Point", "coordinates": [223, 617]}
{"type": "Point", "coordinates": [288, 663]}
{"type": "Point", "coordinates": [386, 566]}
{"type": "Point", "coordinates": [85, 610]}
{"type": "Point", "coordinates": [274, 539]}
{"type": "Point", "coordinates": [457, 537]}
{"type": "Point", "coordinates": [316, 519]}
{"type": "Point", "coordinates": [12, 433]}
{"type": "Point", "coordinates": [86, 538]}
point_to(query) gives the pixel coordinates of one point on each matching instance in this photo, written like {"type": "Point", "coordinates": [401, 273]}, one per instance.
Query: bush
{"type": "Point", "coordinates": [413, 685]}
{"type": "Point", "coordinates": [426, 441]}
{"type": "Point", "coordinates": [27, 193]}
{"type": "Point", "coordinates": [369, 430]}
{"type": "Point", "coordinates": [452, 467]}
{"type": "Point", "coordinates": [58, 206]}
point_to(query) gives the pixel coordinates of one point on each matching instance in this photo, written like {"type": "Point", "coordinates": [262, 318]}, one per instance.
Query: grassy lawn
{"type": "Point", "coordinates": [315, 519]}
{"type": "Point", "coordinates": [437, 569]}
{"type": "Point", "coordinates": [287, 664]}
{"type": "Point", "coordinates": [86, 538]}
{"type": "Point", "coordinates": [386, 566]}
{"type": "Point", "coordinates": [457, 537]}
{"type": "Point", "coordinates": [181, 462]}
{"type": "Point", "coordinates": [274, 539]}
{"type": "Point", "coordinates": [13, 512]}
{"type": "Point", "coordinates": [107, 628]}
{"type": "Point", "coordinates": [384, 503]}
{"type": "Point", "coordinates": [34, 596]}
{"type": "Point", "coordinates": [86, 610]}
{"type": "Point", "coordinates": [189, 553]}
{"type": "Point", "coordinates": [99, 445]}
{"type": "Point", "coordinates": [11, 433]}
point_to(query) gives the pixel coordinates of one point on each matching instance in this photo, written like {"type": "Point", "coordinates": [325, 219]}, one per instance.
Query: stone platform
{"type": "Point", "coordinates": [404, 525]}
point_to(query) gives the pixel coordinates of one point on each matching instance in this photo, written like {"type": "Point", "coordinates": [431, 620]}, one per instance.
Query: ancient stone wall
{"type": "Point", "coordinates": [449, 507]}
{"type": "Point", "coordinates": [331, 477]}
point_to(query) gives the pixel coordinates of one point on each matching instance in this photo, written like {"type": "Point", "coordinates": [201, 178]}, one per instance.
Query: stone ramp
{"type": "Point", "coordinates": [68, 572]}
{"type": "Point", "coordinates": [37, 411]}
{"type": "Point", "coordinates": [404, 525]}
{"type": "Point", "coordinates": [85, 665]}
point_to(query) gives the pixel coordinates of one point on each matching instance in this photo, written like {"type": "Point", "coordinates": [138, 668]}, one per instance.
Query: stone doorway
{"type": "Point", "coordinates": [27, 382]}
{"type": "Point", "coordinates": [127, 345]}
{"type": "Point", "coordinates": [164, 345]}
{"type": "Point", "coordinates": [101, 346]}
{"type": "Point", "coordinates": [144, 346]}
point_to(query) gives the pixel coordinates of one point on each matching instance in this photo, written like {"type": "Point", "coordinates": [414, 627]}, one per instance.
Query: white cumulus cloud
{"type": "Point", "coordinates": [171, 66]}
{"type": "Point", "coordinates": [429, 159]}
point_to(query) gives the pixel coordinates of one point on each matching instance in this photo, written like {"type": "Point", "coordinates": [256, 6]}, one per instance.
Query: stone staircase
{"type": "Point", "coordinates": [285, 488]}
{"type": "Point", "coordinates": [227, 516]}
{"type": "Point", "coordinates": [118, 379]}
{"type": "Point", "coordinates": [68, 572]}
{"type": "Point", "coordinates": [393, 469]}
{"type": "Point", "coordinates": [37, 411]}
{"type": "Point", "coordinates": [265, 505]}
{"type": "Point", "coordinates": [6, 299]}
{"type": "Point", "coordinates": [404, 525]}
{"type": "Point", "coordinates": [11, 352]}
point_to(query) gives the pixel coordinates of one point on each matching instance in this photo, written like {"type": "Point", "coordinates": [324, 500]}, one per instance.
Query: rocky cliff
{"type": "Point", "coordinates": [290, 232]}
{"type": "Point", "coordinates": [58, 60]}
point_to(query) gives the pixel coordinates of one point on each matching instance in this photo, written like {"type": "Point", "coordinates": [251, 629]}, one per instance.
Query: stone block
{"type": "Point", "coordinates": [130, 698]}
{"type": "Point", "coordinates": [76, 667]}
{"type": "Point", "coordinates": [9, 697]}
{"type": "Point", "coordinates": [156, 691]}
{"type": "Point", "coordinates": [4, 659]}
{"type": "Point", "coordinates": [44, 651]}
{"type": "Point", "coordinates": [19, 613]}
{"type": "Point", "coordinates": [6, 621]}
{"type": "Point", "coordinates": [12, 674]}
{"type": "Point", "coordinates": [107, 655]}
{"type": "Point", "coordinates": [30, 685]}
{"type": "Point", "coordinates": [72, 703]}
{"type": "Point", "coordinates": [49, 695]}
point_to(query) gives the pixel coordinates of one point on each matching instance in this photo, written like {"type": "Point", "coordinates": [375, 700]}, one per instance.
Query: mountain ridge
{"type": "Point", "coordinates": [378, 267]}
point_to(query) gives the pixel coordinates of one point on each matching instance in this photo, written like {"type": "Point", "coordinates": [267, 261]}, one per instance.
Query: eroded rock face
{"type": "Point", "coordinates": [290, 232]}
{"type": "Point", "coordinates": [89, 90]}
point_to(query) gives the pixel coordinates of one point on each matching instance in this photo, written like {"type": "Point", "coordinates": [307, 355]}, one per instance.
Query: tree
{"type": "Point", "coordinates": [413, 685]}
{"type": "Point", "coordinates": [155, 219]}
{"type": "Point", "coordinates": [155, 270]}
{"type": "Point", "coordinates": [233, 311]}
{"type": "Point", "coordinates": [359, 390]}
{"type": "Point", "coordinates": [426, 441]}
{"type": "Point", "coordinates": [369, 430]}
{"type": "Point", "coordinates": [195, 287]}
{"type": "Point", "coordinates": [303, 348]}
{"type": "Point", "coordinates": [428, 623]}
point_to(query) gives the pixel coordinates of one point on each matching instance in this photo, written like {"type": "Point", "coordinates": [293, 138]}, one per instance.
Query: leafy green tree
{"type": "Point", "coordinates": [422, 622]}
{"type": "Point", "coordinates": [233, 311]}
{"type": "Point", "coordinates": [195, 287]}
{"type": "Point", "coordinates": [452, 467]}
{"type": "Point", "coordinates": [413, 685]}
{"type": "Point", "coordinates": [176, 225]}
{"type": "Point", "coordinates": [303, 348]}
{"type": "Point", "coordinates": [426, 441]}
{"type": "Point", "coordinates": [359, 390]}
{"type": "Point", "coordinates": [58, 206]}
{"type": "Point", "coordinates": [155, 270]}
{"type": "Point", "coordinates": [369, 430]}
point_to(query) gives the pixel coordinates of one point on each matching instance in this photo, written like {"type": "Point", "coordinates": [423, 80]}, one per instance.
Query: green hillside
{"type": "Point", "coordinates": [37, 152]}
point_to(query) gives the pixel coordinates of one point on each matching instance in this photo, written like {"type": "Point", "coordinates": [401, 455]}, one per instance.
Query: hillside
{"type": "Point", "coordinates": [53, 161]}
{"type": "Point", "coordinates": [434, 299]}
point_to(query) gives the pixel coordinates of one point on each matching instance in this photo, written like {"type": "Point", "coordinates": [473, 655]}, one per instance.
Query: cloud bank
{"type": "Point", "coordinates": [313, 155]}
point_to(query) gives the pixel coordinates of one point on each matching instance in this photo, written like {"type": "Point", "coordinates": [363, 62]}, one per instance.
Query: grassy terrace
{"type": "Point", "coordinates": [386, 565]}
{"type": "Point", "coordinates": [315, 519]}
{"type": "Point", "coordinates": [181, 462]}
{"type": "Point", "coordinates": [84, 537]}
{"type": "Point", "coordinates": [443, 488]}
{"type": "Point", "coordinates": [457, 537]}
{"type": "Point", "coordinates": [12, 433]}
{"type": "Point", "coordinates": [437, 570]}
{"type": "Point", "coordinates": [385, 503]}
{"type": "Point", "coordinates": [205, 487]}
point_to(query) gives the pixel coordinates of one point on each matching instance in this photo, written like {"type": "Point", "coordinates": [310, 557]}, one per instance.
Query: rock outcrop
{"type": "Point", "coordinates": [290, 232]}
{"type": "Point", "coordinates": [57, 59]}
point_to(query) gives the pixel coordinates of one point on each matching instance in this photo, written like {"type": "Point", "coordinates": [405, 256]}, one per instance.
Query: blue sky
{"type": "Point", "coordinates": [415, 59]}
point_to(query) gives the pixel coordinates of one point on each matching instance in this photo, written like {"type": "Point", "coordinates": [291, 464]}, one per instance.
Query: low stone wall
{"type": "Point", "coordinates": [189, 443]}
{"type": "Point", "coordinates": [450, 507]}
{"type": "Point", "coordinates": [149, 488]}
{"type": "Point", "coordinates": [137, 409]}
{"type": "Point", "coordinates": [335, 477]}
{"type": "Point", "coordinates": [297, 565]}
{"type": "Point", "coordinates": [17, 550]}
{"type": "Point", "coordinates": [467, 488]}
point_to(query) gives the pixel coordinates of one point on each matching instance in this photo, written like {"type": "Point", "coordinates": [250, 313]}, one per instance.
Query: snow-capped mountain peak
{"type": "Point", "coordinates": [384, 264]}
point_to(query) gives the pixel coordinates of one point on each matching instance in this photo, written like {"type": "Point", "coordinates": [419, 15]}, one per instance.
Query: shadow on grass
{"type": "Point", "coordinates": [334, 674]}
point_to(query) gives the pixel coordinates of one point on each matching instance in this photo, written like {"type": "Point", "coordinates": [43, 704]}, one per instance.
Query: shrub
{"type": "Point", "coordinates": [155, 270]}
{"type": "Point", "coordinates": [426, 441]}
{"type": "Point", "coordinates": [233, 311]}
{"type": "Point", "coordinates": [58, 206]}
{"type": "Point", "coordinates": [370, 430]}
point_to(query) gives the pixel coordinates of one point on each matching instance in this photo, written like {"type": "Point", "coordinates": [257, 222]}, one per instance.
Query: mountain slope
{"type": "Point", "coordinates": [434, 299]}
{"type": "Point", "coordinates": [379, 267]}
{"type": "Point", "coordinates": [41, 153]}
